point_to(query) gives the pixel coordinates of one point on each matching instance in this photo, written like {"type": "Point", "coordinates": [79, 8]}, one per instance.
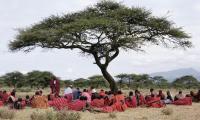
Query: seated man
{"type": "Point", "coordinates": [39, 101]}
{"type": "Point", "coordinates": [78, 105]}
{"type": "Point", "coordinates": [179, 96]}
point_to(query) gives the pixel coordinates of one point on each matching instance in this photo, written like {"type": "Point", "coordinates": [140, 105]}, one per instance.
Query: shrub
{"type": "Point", "coordinates": [68, 115]}
{"type": "Point", "coordinates": [167, 111]}
{"type": "Point", "coordinates": [52, 115]}
{"type": "Point", "coordinates": [36, 115]}
{"type": "Point", "coordinates": [7, 114]}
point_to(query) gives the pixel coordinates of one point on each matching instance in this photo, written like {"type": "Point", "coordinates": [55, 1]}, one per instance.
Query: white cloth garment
{"type": "Point", "coordinates": [68, 91]}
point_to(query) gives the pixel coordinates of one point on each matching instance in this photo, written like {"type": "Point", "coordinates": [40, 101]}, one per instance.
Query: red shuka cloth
{"type": "Point", "coordinates": [184, 101]}
{"type": "Point", "coordinates": [1, 103]}
{"type": "Point", "coordinates": [59, 103]}
{"type": "Point", "coordinates": [155, 102]}
{"type": "Point", "coordinates": [77, 105]}
{"type": "Point", "coordinates": [55, 88]}
{"type": "Point", "coordinates": [131, 102]}
{"type": "Point", "coordinates": [97, 103]}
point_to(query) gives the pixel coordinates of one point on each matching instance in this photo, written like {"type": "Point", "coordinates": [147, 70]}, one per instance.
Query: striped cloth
{"type": "Point", "coordinates": [59, 103]}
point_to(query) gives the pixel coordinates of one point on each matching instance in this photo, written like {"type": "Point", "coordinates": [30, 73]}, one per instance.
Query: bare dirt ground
{"type": "Point", "coordinates": [177, 112]}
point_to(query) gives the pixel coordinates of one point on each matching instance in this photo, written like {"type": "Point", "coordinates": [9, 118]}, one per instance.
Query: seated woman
{"type": "Point", "coordinates": [78, 105]}
{"type": "Point", "coordinates": [179, 96]}
{"type": "Point", "coordinates": [39, 101]}
{"type": "Point", "coordinates": [97, 101]}
{"type": "Point", "coordinates": [86, 94]}
{"type": "Point", "coordinates": [140, 98]}
{"type": "Point", "coordinates": [169, 98]}
{"type": "Point", "coordinates": [152, 93]}
{"type": "Point", "coordinates": [131, 100]}
{"type": "Point", "coordinates": [119, 102]}
{"type": "Point", "coordinates": [102, 93]}
{"type": "Point", "coordinates": [5, 96]}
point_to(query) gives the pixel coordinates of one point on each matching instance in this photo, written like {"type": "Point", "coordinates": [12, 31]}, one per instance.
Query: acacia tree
{"type": "Point", "coordinates": [102, 31]}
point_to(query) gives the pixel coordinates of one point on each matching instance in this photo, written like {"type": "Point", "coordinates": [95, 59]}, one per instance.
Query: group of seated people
{"type": "Point", "coordinates": [102, 101]}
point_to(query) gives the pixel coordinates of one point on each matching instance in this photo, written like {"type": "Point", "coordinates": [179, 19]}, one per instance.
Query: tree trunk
{"type": "Point", "coordinates": [110, 79]}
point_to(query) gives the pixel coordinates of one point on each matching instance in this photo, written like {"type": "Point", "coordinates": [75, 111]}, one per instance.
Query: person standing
{"type": "Point", "coordinates": [55, 86]}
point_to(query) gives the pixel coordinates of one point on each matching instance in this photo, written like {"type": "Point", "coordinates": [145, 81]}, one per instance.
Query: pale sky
{"type": "Point", "coordinates": [70, 64]}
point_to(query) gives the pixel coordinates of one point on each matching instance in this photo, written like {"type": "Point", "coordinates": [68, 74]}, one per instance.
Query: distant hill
{"type": "Point", "coordinates": [173, 74]}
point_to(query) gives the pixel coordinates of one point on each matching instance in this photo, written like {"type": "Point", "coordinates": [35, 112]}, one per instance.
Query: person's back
{"type": "Point", "coordinates": [98, 102]}
{"type": "Point", "coordinates": [39, 101]}
{"type": "Point", "coordinates": [86, 94]}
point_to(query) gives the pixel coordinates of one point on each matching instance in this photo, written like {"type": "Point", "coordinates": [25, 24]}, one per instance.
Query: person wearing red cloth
{"type": "Point", "coordinates": [55, 86]}
{"type": "Point", "coordinates": [161, 95]}
{"type": "Point", "coordinates": [5, 96]}
{"type": "Point", "coordinates": [140, 98]}
{"type": "Point", "coordinates": [155, 102]}
{"type": "Point", "coordinates": [102, 93]}
{"type": "Point", "coordinates": [131, 100]}
{"type": "Point", "coordinates": [78, 105]}
{"type": "Point", "coordinates": [119, 102]}
{"type": "Point", "coordinates": [97, 102]}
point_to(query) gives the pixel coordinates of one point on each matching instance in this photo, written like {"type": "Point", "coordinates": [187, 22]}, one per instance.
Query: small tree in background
{"type": "Point", "coordinates": [102, 31]}
{"type": "Point", "coordinates": [187, 81]}
{"type": "Point", "coordinates": [14, 79]}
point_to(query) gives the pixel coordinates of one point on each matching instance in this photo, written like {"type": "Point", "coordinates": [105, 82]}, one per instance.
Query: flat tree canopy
{"type": "Point", "coordinates": [102, 31]}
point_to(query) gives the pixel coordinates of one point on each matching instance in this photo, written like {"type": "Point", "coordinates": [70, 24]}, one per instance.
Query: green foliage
{"type": "Point", "coordinates": [81, 82]}
{"type": "Point", "coordinates": [102, 31]}
{"type": "Point", "coordinates": [15, 79]}
{"type": "Point", "coordinates": [186, 82]}
{"type": "Point", "coordinates": [160, 82]}
{"type": "Point", "coordinates": [98, 81]}
{"type": "Point", "coordinates": [38, 79]}
{"type": "Point", "coordinates": [32, 79]}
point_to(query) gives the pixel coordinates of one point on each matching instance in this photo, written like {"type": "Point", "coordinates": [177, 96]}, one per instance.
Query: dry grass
{"type": "Point", "coordinates": [112, 115]}
{"type": "Point", "coordinates": [5, 113]}
{"type": "Point", "coordinates": [167, 111]}
{"type": "Point", "coordinates": [170, 112]}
